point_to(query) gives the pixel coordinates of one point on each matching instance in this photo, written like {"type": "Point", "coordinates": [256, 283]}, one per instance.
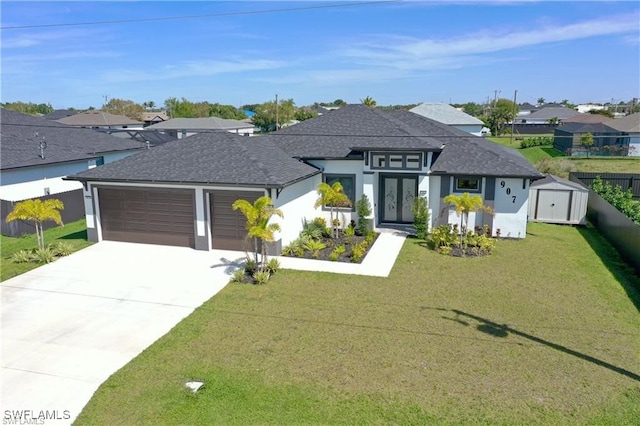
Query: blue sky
{"type": "Point", "coordinates": [396, 52]}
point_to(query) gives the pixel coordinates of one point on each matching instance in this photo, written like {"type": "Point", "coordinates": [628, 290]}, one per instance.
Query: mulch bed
{"type": "Point", "coordinates": [332, 243]}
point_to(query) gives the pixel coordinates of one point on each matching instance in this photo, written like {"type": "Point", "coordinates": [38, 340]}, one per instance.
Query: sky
{"type": "Point", "coordinates": [397, 52]}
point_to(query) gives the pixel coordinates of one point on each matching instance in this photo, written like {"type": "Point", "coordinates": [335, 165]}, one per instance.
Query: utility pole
{"type": "Point", "coordinates": [276, 111]}
{"type": "Point", "coordinates": [513, 120]}
{"type": "Point", "coordinates": [495, 97]}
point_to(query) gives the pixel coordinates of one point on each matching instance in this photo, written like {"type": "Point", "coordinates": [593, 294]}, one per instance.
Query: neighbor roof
{"type": "Point", "coordinates": [586, 118]}
{"type": "Point", "coordinates": [21, 136]}
{"type": "Point", "coordinates": [205, 158]}
{"type": "Point", "coordinates": [549, 112]}
{"type": "Point", "coordinates": [60, 113]}
{"type": "Point", "coordinates": [629, 124]}
{"type": "Point", "coordinates": [445, 114]}
{"type": "Point", "coordinates": [95, 118]}
{"type": "Point", "coordinates": [203, 123]}
{"type": "Point", "coordinates": [587, 127]}
{"type": "Point", "coordinates": [151, 116]}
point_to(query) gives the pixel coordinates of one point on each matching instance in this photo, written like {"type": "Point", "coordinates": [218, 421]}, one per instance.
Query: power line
{"type": "Point", "coordinates": [211, 15]}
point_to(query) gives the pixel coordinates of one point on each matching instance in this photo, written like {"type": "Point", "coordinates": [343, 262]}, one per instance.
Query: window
{"type": "Point", "coordinates": [348, 183]}
{"type": "Point", "coordinates": [100, 161]}
{"type": "Point", "coordinates": [467, 184]}
{"type": "Point", "coordinates": [409, 161]}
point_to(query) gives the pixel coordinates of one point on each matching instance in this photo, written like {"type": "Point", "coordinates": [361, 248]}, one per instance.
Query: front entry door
{"type": "Point", "coordinates": [397, 193]}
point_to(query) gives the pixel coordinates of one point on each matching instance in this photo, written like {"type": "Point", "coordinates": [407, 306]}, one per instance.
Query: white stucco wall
{"type": "Point", "coordinates": [511, 206]}
{"type": "Point", "coordinates": [35, 173]}
{"type": "Point", "coordinates": [634, 145]}
{"type": "Point", "coordinates": [296, 202]}
{"type": "Point", "coordinates": [37, 188]}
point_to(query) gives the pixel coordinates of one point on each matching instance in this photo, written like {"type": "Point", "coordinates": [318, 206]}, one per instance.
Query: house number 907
{"type": "Point", "coordinates": [508, 191]}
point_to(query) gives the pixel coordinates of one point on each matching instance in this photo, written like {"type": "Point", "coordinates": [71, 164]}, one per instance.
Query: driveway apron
{"type": "Point", "coordinates": [67, 326]}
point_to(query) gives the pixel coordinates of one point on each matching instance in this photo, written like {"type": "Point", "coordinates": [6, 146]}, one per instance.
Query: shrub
{"type": "Point", "coordinates": [420, 210]}
{"type": "Point", "coordinates": [44, 255]}
{"type": "Point", "coordinates": [371, 236]}
{"type": "Point", "coordinates": [314, 229]}
{"type": "Point", "coordinates": [63, 248]}
{"type": "Point", "coordinates": [444, 236]}
{"type": "Point", "coordinates": [273, 266]}
{"type": "Point", "coordinates": [363, 210]}
{"type": "Point", "coordinates": [314, 247]}
{"type": "Point", "coordinates": [22, 256]}
{"type": "Point", "coordinates": [333, 256]}
{"type": "Point", "coordinates": [261, 277]}
{"type": "Point", "coordinates": [250, 265]}
{"type": "Point", "coordinates": [340, 249]}
{"type": "Point", "coordinates": [238, 276]}
{"type": "Point", "coordinates": [621, 200]}
{"type": "Point", "coordinates": [297, 246]}
{"type": "Point", "coordinates": [555, 167]}
{"type": "Point", "coordinates": [358, 251]}
{"type": "Point", "coordinates": [536, 141]}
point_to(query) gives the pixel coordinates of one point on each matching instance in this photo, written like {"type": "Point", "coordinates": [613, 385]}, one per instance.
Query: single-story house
{"type": "Point", "coordinates": [183, 127]}
{"type": "Point", "coordinates": [37, 153]}
{"type": "Point", "coordinates": [545, 115]}
{"type": "Point", "coordinates": [630, 125]}
{"type": "Point", "coordinates": [446, 114]}
{"type": "Point", "coordinates": [96, 119]}
{"type": "Point", "coordinates": [586, 118]}
{"type": "Point", "coordinates": [151, 117]}
{"type": "Point", "coordinates": [606, 139]}
{"type": "Point", "coordinates": [181, 193]}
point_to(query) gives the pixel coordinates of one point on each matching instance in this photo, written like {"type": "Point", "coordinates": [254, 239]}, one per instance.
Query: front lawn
{"type": "Point", "coordinates": [544, 331]}
{"type": "Point", "coordinates": [75, 233]}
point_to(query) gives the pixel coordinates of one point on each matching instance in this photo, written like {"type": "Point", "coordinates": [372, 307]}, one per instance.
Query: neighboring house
{"type": "Point", "coordinates": [545, 114]}
{"type": "Point", "coordinates": [183, 127]}
{"type": "Point", "coordinates": [150, 118]}
{"type": "Point", "coordinates": [60, 113]}
{"type": "Point", "coordinates": [630, 125]}
{"type": "Point", "coordinates": [586, 118]}
{"type": "Point", "coordinates": [181, 193]}
{"type": "Point", "coordinates": [38, 153]}
{"type": "Point", "coordinates": [526, 108]}
{"type": "Point", "coordinates": [96, 119]}
{"type": "Point", "coordinates": [606, 139]}
{"type": "Point", "coordinates": [583, 108]}
{"type": "Point", "coordinates": [446, 114]}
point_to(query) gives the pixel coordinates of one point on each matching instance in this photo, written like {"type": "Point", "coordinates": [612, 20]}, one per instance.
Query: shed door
{"type": "Point", "coordinates": [553, 205]}
{"type": "Point", "coordinates": [228, 226]}
{"type": "Point", "coordinates": [151, 216]}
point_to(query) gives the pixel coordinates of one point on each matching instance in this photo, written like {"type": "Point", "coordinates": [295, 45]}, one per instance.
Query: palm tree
{"type": "Point", "coordinates": [465, 204]}
{"type": "Point", "coordinates": [37, 211]}
{"type": "Point", "coordinates": [332, 196]}
{"type": "Point", "coordinates": [368, 101]}
{"type": "Point", "coordinates": [258, 216]}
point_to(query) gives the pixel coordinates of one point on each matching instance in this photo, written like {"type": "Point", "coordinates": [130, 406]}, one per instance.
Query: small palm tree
{"type": "Point", "coordinates": [258, 216]}
{"type": "Point", "coordinates": [465, 204]}
{"type": "Point", "coordinates": [332, 196]}
{"type": "Point", "coordinates": [38, 212]}
{"type": "Point", "coordinates": [369, 101]}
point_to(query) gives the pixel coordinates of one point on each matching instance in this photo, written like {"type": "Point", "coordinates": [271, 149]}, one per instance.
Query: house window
{"type": "Point", "coordinates": [467, 184]}
{"type": "Point", "coordinates": [100, 161]}
{"type": "Point", "coordinates": [409, 161]}
{"type": "Point", "coordinates": [348, 183]}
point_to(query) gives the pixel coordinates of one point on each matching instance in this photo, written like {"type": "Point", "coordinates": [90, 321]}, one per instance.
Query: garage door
{"type": "Point", "coordinates": [227, 225]}
{"type": "Point", "coordinates": [148, 216]}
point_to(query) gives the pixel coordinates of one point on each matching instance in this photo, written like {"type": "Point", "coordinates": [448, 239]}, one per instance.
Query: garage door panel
{"type": "Point", "coordinates": [228, 225]}
{"type": "Point", "coordinates": [148, 216]}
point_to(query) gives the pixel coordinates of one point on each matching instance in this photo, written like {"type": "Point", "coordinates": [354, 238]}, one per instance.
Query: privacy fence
{"type": "Point", "coordinates": [623, 180]}
{"type": "Point", "coordinates": [617, 228]}
{"type": "Point", "coordinates": [73, 210]}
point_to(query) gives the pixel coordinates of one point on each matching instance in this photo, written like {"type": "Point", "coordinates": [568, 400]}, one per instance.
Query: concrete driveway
{"type": "Point", "coordinates": [69, 325]}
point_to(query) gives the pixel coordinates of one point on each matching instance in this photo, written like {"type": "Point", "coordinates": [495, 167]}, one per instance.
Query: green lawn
{"type": "Point", "coordinates": [545, 331]}
{"type": "Point", "coordinates": [75, 232]}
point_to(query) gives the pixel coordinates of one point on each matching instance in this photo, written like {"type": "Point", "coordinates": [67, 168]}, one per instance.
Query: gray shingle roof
{"type": "Point", "coordinates": [445, 114]}
{"type": "Point", "coordinates": [203, 123]}
{"type": "Point", "coordinates": [629, 124]}
{"type": "Point", "coordinates": [587, 127]}
{"type": "Point", "coordinates": [20, 145]}
{"type": "Point", "coordinates": [547, 113]}
{"type": "Point", "coordinates": [216, 157]}
{"type": "Point", "coordinates": [60, 113]}
{"type": "Point", "coordinates": [95, 118]}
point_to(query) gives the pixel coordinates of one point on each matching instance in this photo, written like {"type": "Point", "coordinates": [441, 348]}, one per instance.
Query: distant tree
{"type": "Point", "coordinates": [250, 107]}
{"type": "Point", "coordinates": [124, 107]}
{"type": "Point", "coordinates": [339, 103]}
{"type": "Point", "coordinates": [586, 140]}
{"type": "Point", "coordinates": [149, 105]}
{"type": "Point", "coordinates": [305, 114]}
{"type": "Point", "coordinates": [186, 109]}
{"type": "Point", "coordinates": [567, 104]}
{"type": "Point", "coordinates": [503, 112]}
{"type": "Point", "coordinates": [38, 212]}
{"type": "Point", "coordinates": [541, 101]}
{"type": "Point", "coordinates": [368, 101]}
{"type": "Point", "coordinates": [29, 108]}
{"type": "Point", "coordinates": [270, 117]}
{"type": "Point", "coordinates": [226, 111]}
{"type": "Point", "coordinates": [553, 121]}
{"type": "Point", "coordinates": [605, 112]}
{"type": "Point", "coordinates": [472, 108]}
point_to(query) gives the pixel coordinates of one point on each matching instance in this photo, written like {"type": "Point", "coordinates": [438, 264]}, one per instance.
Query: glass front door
{"type": "Point", "coordinates": [397, 193]}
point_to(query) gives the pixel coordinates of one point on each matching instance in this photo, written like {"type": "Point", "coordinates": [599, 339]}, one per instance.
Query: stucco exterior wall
{"type": "Point", "coordinates": [511, 205]}
{"type": "Point", "coordinates": [296, 202]}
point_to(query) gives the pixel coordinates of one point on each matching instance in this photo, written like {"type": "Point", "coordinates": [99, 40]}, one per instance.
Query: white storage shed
{"type": "Point", "coordinates": [557, 200]}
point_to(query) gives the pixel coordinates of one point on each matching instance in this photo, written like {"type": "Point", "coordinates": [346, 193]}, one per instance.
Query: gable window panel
{"type": "Point", "coordinates": [467, 184]}
{"type": "Point", "coordinates": [348, 183]}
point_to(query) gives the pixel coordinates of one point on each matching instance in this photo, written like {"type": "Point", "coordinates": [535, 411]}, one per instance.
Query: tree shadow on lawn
{"type": "Point", "coordinates": [503, 330]}
{"type": "Point", "coordinates": [610, 257]}
{"type": "Point", "coordinates": [552, 152]}
{"type": "Point", "coordinates": [79, 235]}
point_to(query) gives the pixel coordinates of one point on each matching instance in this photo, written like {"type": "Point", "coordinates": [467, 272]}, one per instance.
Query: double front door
{"type": "Point", "coordinates": [397, 193]}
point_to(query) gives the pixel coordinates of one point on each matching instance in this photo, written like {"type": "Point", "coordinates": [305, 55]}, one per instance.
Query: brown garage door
{"type": "Point", "coordinates": [227, 225]}
{"type": "Point", "coordinates": [147, 216]}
